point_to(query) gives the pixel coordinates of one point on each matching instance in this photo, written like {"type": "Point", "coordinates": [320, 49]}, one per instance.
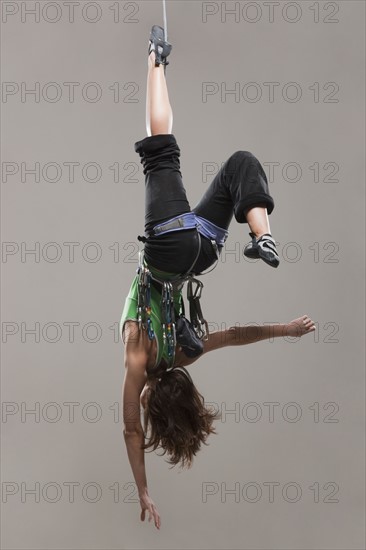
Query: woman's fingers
{"type": "Point", "coordinates": [157, 519]}
{"type": "Point", "coordinates": [302, 325]}
{"type": "Point", "coordinates": [153, 514]}
{"type": "Point", "coordinates": [309, 324]}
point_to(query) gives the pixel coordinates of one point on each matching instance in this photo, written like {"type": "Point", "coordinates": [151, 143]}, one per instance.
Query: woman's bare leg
{"type": "Point", "coordinates": [159, 114]}
{"type": "Point", "coordinates": [257, 218]}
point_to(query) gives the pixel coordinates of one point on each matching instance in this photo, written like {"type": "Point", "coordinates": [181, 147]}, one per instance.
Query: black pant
{"type": "Point", "coordinates": [239, 184]}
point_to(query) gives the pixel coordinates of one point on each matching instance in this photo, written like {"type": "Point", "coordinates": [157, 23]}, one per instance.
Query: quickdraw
{"type": "Point", "coordinates": [168, 317]}
{"type": "Point", "coordinates": [144, 299]}
{"type": "Point", "coordinates": [195, 312]}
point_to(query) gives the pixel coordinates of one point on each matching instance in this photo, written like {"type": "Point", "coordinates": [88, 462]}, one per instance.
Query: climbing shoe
{"type": "Point", "coordinates": [157, 43]}
{"type": "Point", "coordinates": [264, 248]}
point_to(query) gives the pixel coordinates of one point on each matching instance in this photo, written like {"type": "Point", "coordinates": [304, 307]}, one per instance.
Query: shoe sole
{"type": "Point", "coordinates": [254, 255]}
{"type": "Point", "coordinates": [269, 262]}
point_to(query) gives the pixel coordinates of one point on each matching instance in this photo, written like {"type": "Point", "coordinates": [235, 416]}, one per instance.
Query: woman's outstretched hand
{"type": "Point", "coordinates": [147, 504]}
{"type": "Point", "coordinates": [299, 327]}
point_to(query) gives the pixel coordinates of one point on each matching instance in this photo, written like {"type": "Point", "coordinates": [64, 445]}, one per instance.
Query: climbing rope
{"type": "Point", "coordinates": [165, 22]}
{"type": "Point", "coordinates": [165, 29]}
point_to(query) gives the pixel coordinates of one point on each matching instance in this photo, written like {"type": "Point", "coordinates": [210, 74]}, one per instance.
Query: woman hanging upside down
{"type": "Point", "coordinates": [181, 243]}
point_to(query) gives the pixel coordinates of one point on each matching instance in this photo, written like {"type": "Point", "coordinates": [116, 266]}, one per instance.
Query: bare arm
{"type": "Point", "coordinates": [136, 360]}
{"type": "Point", "coordinates": [133, 383]}
{"type": "Point", "coordinates": [240, 336]}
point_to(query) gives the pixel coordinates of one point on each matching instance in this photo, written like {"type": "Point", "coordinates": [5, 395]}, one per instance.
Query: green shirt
{"type": "Point", "coordinates": [130, 311]}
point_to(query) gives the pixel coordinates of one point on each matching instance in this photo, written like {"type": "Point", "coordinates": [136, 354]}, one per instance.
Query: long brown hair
{"type": "Point", "coordinates": [175, 412]}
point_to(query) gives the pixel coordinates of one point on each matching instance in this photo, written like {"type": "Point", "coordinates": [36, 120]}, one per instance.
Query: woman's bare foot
{"type": "Point", "coordinates": [299, 327]}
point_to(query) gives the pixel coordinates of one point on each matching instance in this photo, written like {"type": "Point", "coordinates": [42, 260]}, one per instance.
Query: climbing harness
{"type": "Point", "coordinates": [168, 317]}
{"type": "Point", "coordinates": [144, 302]}
{"type": "Point", "coordinates": [190, 220]}
{"type": "Point", "coordinates": [217, 236]}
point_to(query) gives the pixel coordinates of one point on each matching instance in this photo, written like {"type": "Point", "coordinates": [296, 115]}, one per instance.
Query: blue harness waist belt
{"type": "Point", "coordinates": [190, 220]}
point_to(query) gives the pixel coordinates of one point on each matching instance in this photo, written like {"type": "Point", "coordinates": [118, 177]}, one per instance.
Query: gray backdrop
{"type": "Point", "coordinates": [286, 470]}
